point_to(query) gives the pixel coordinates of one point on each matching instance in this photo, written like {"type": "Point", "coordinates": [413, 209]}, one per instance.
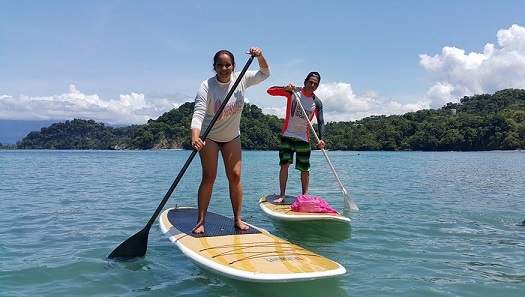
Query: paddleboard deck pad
{"type": "Point", "coordinates": [283, 211]}
{"type": "Point", "coordinates": [254, 255]}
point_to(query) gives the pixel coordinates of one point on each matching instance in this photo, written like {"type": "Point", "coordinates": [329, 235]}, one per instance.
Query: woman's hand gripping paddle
{"type": "Point", "coordinates": [136, 245]}
{"type": "Point", "coordinates": [349, 203]}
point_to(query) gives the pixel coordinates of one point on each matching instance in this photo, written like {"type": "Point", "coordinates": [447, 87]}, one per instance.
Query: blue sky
{"type": "Point", "coordinates": [123, 62]}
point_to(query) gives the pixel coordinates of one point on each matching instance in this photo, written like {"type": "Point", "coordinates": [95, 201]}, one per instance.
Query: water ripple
{"type": "Point", "coordinates": [430, 224]}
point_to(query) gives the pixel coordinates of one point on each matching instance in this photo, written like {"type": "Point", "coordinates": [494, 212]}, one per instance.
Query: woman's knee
{"type": "Point", "coordinates": [234, 175]}
{"type": "Point", "coordinates": [208, 177]}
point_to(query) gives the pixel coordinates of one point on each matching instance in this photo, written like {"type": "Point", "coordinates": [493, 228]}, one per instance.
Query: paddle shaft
{"type": "Point", "coordinates": [136, 245]}
{"type": "Point", "coordinates": [351, 204]}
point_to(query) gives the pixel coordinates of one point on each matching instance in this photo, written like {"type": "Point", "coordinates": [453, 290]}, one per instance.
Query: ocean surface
{"type": "Point", "coordinates": [429, 224]}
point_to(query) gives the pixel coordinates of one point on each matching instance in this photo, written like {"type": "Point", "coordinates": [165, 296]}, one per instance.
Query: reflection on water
{"type": "Point", "coordinates": [314, 288]}
{"type": "Point", "coordinates": [429, 223]}
{"type": "Point", "coordinates": [313, 231]}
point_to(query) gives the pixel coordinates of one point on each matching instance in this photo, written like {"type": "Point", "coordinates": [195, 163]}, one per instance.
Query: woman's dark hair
{"type": "Point", "coordinates": [227, 52]}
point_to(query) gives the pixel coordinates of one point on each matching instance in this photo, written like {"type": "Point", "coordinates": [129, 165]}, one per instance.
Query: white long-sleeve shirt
{"type": "Point", "coordinates": [209, 98]}
{"type": "Point", "coordinates": [295, 124]}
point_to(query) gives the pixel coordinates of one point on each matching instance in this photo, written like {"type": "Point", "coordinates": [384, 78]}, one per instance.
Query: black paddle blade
{"type": "Point", "coordinates": [133, 247]}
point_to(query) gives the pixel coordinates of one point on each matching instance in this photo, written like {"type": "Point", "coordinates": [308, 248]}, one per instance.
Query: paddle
{"type": "Point", "coordinates": [136, 245]}
{"type": "Point", "coordinates": [349, 203]}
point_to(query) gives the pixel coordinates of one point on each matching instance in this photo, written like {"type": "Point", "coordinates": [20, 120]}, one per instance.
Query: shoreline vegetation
{"type": "Point", "coordinates": [478, 123]}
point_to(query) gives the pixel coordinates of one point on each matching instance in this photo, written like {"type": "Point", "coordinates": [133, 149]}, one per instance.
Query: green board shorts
{"type": "Point", "coordinates": [289, 146]}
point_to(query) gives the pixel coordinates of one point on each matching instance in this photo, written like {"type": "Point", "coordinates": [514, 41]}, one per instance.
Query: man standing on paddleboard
{"type": "Point", "coordinates": [295, 135]}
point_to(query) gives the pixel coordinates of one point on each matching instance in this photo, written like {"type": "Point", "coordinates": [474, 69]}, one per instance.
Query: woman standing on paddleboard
{"type": "Point", "coordinates": [225, 133]}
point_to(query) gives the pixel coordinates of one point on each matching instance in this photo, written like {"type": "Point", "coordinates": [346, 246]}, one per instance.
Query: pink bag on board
{"type": "Point", "coordinates": [305, 203]}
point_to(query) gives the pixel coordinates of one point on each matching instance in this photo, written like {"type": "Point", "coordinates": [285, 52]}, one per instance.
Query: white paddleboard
{"type": "Point", "coordinates": [283, 211]}
{"type": "Point", "coordinates": [254, 255]}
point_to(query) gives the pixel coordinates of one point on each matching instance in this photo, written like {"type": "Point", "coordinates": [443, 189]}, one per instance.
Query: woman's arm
{"type": "Point", "coordinates": [257, 52]}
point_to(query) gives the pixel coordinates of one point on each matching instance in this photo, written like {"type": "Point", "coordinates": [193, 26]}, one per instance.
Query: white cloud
{"type": "Point", "coordinates": [131, 108]}
{"type": "Point", "coordinates": [460, 74]}
{"type": "Point", "coordinates": [340, 103]}
{"type": "Point", "coordinates": [277, 111]}
{"type": "Point", "coordinates": [456, 73]}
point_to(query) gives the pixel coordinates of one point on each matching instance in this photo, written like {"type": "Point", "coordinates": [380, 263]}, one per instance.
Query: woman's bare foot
{"type": "Point", "coordinates": [199, 229]}
{"type": "Point", "coordinates": [241, 226]}
{"type": "Point", "coordinates": [279, 200]}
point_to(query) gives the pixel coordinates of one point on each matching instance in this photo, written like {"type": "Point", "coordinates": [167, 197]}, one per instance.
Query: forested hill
{"type": "Point", "coordinates": [477, 123]}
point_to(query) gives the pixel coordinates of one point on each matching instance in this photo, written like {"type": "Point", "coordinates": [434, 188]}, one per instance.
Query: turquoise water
{"type": "Point", "coordinates": [429, 224]}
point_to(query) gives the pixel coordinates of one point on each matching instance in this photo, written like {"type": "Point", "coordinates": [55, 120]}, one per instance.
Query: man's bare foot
{"type": "Point", "coordinates": [241, 226]}
{"type": "Point", "coordinates": [279, 200]}
{"type": "Point", "coordinates": [199, 229]}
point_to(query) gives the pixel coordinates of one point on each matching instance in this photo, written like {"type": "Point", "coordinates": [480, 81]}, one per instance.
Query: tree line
{"type": "Point", "coordinates": [477, 123]}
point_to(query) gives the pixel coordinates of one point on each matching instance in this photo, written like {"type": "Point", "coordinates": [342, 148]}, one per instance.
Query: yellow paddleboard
{"type": "Point", "coordinates": [254, 255]}
{"type": "Point", "coordinates": [283, 211]}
